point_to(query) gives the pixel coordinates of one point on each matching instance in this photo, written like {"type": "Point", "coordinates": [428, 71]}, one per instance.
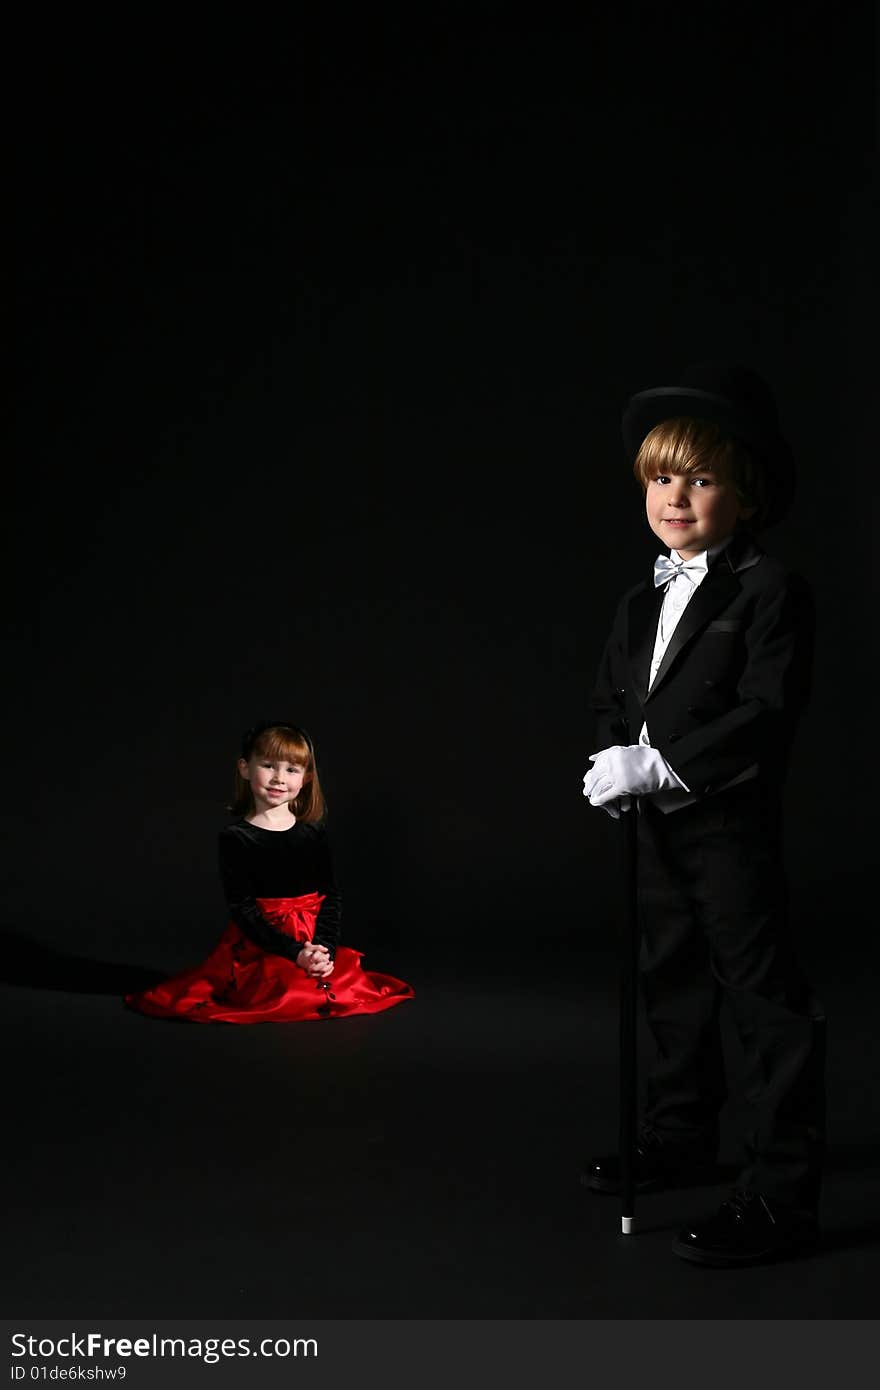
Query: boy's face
{"type": "Point", "coordinates": [690, 512]}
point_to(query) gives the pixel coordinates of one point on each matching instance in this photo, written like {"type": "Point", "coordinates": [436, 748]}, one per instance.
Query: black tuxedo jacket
{"type": "Point", "coordinates": [734, 678]}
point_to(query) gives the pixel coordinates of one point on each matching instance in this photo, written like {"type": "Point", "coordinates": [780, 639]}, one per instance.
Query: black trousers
{"type": "Point", "coordinates": [714, 926]}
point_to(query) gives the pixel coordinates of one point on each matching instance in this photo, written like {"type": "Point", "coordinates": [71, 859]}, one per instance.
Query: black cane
{"type": "Point", "coordinates": [628, 1030]}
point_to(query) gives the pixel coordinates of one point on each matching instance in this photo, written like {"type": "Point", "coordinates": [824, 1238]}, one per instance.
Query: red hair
{"type": "Point", "coordinates": [284, 741]}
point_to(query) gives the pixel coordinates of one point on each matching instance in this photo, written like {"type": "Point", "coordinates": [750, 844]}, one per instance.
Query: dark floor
{"type": "Point", "coordinates": [418, 1164]}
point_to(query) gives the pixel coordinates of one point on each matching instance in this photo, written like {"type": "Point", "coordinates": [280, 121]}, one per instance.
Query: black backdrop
{"type": "Point", "coordinates": [323, 341]}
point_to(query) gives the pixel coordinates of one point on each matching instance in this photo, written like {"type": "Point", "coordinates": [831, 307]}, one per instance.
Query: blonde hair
{"type": "Point", "coordinates": [284, 741]}
{"type": "Point", "coordinates": [686, 445]}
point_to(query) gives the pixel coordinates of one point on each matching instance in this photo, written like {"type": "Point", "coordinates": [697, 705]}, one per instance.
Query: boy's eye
{"type": "Point", "coordinates": [664, 478]}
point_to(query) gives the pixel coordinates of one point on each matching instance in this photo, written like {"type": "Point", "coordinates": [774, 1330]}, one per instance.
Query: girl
{"type": "Point", "coordinates": [278, 960]}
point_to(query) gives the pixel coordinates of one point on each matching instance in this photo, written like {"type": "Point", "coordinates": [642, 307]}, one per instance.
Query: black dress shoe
{"type": "Point", "coordinates": [659, 1163]}
{"type": "Point", "coordinates": [747, 1229]}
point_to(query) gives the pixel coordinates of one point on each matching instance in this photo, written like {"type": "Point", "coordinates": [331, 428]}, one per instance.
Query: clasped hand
{"type": "Point", "coordinates": [315, 960]}
{"type": "Point", "coordinates": [620, 773]}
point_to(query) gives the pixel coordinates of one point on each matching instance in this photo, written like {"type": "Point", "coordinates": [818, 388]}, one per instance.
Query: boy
{"type": "Point", "coordinates": [701, 683]}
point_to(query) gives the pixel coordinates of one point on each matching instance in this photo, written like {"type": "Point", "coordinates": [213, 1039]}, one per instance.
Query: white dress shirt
{"type": "Point", "coordinates": [679, 592]}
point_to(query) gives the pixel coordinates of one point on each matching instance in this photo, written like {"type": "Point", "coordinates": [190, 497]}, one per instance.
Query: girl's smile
{"type": "Point", "coordinates": [275, 783]}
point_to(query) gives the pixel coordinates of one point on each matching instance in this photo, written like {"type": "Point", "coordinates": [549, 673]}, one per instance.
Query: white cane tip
{"type": "Point", "coordinates": [626, 1225]}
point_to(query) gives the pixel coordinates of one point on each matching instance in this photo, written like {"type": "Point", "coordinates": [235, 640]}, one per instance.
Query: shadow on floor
{"type": "Point", "coordinates": [30, 964]}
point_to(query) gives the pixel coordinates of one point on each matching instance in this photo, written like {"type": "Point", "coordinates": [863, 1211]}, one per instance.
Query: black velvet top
{"type": "Point", "coordinates": [257, 863]}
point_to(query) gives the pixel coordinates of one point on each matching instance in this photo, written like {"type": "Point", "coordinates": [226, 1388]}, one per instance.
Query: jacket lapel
{"type": "Point", "coordinates": [713, 595]}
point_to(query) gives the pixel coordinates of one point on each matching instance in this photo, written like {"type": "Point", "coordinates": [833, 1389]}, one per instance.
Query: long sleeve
{"type": "Point", "coordinates": [722, 704]}
{"type": "Point", "coordinates": [238, 888]}
{"type": "Point", "coordinates": [327, 926]}
{"type": "Point", "coordinates": [329, 922]}
{"type": "Point", "coordinates": [753, 721]}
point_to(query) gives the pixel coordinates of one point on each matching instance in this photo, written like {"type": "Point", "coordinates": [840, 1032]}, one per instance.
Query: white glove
{"type": "Point", "coordinates": [615, 806]}
{"type": "Point", "coordinates": [619, 773]}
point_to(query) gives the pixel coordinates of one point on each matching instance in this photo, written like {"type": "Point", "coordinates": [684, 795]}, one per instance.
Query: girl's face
{"type": "Point", "coordinates": [274, 781]}
{"type": "Point", "coordinates": [690, 512]}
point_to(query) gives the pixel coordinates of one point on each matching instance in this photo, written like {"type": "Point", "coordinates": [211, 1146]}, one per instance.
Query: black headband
{"type": "Point", "coordinates": [251, 735]}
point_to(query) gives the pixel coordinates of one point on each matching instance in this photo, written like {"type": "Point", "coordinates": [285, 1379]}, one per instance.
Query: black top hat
{"type": "Point", "coordinates": [741, 403]}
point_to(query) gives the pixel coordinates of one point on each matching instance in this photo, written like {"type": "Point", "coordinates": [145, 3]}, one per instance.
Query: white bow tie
{"type": "Point", "coordinates": [666, 569]}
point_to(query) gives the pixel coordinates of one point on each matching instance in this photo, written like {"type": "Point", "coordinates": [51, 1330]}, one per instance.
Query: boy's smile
{"type": "Point", "coordinates": [689, 512]}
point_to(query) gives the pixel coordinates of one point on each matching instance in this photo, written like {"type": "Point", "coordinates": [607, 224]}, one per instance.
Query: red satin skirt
{"type": "Point", "coordinates": [241, 983]}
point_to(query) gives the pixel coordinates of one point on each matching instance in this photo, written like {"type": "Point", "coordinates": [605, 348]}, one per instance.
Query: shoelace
{"type": "Point", "coordinates": [649, 1138]}
{"type": "Point", "coordinates": [742, 1200]}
